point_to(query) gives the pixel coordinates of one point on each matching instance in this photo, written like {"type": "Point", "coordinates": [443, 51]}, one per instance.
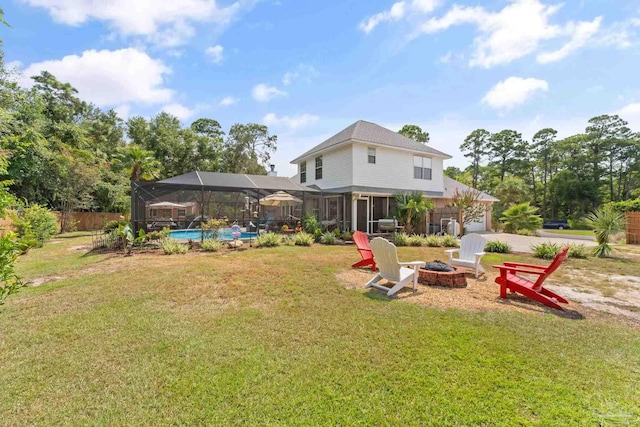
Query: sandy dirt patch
{"type": "Point", "coordinates": [483, 295]}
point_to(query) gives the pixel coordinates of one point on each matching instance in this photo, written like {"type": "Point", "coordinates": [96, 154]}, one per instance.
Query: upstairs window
{"type": "Point", "coordinates": [421, 167]}
{"type": "Point", "coordinates": [319, 167]}
{"type": "Point", "coordinates": [303, 172]}
{"type": "Point", "coordinates": [182, 212]}
{"type": "Point", "coordinates": [154, 213]}
{"type": "Point", "coordinates": [371, 155]}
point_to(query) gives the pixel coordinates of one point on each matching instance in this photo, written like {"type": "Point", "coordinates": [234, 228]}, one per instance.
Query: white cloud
{"type": "Point", "coordinates": [446, 58]}
{"type": "Point", "coordinates": [228, 101]}
{"type": "Point", "coordinates": [178, 110]}
{"type": "Point", "coordinates": [631, 113]}
{"type": "Point", "coordinates": [13, 65]}
{"type": "Point", "coordinates": [168, 23]}
{"type": "Point", "coordinates": [516, 31]}
{"type": "Point", "coordinates": [398, 11]}
{"type": "Point", "coordinates": [265, 93]}
{"type": "Point", "coordinates": [302, 72]}
{"type": "Point", "coordinates": [215, 53]}
{"type": "Point", "coordinates": [109, 78]}
{"type": "Point", "coordinates": [581, 34]}
{"type": "Point", "coordinates": [513, 91]}
{"type": "Point", "coordinates": [292, 123]}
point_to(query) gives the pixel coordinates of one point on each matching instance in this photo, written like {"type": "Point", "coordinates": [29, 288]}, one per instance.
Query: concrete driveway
{"type": "Point", "coordinates": [523, 243]}
{"type": "Point", "coordinates": [544, 233]}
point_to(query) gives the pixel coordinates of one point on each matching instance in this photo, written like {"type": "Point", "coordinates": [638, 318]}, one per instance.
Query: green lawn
{"type": "Point", "coordinates": [572, 232]}
{"type": "Point", "coordinates": [271, 337]}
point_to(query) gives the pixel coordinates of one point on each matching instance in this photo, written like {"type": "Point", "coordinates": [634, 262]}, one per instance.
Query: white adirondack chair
{"type": "Point", "coordinates": [470, 252]}
{"type": "Point", "coordinates": [389, 268]}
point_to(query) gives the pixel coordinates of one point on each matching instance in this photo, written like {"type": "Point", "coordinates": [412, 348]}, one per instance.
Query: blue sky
{"type": "Point", "coordinates": [308, 69]}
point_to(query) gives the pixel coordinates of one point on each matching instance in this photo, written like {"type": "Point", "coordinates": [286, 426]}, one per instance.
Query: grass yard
{"type": "Point", "coordinates": [571, 232]}
{"type": "Point", "coordinates": [272, 336]}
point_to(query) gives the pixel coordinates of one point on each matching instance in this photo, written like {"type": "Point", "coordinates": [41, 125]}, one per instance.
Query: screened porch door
{"type": "Point", "coordinates": [362, 214]}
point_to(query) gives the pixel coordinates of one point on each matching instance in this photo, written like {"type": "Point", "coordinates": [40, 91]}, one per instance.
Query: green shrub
{"type": "Point", "coordinates": [524, 232]}
{"type": "Point", "coordinates": [546, 250]}
{"type": "Point", "coordinates": [337, 233]}
{"type": "Point", "coordinates": [433, 241]}
{"type": "Point", "coordinates": [211, 245]}
{"type": "Point", "coordinates": [36, 223]}
{"type": "Point", "coordinates": [289, 240]}
{"type": "Point", "coordinates": [172, 246]}
{"type": "Point", "coordinates": [310, 224]}
{"type": "Point", "coordinates": [303, 239]}
{"type": "Point", "coordinates": [577, 251]}
{"type": "Point", "coordinates": [497, 247]}
{"type": "Point", "coordinates": [521, 217]}
{"type": "Point", "coordinates": [606, 222]}
{"type": "Point", "coordinates": [579, 224]}
{"type": "Point", "coordinates": [268, 240]}
{"type": "Point", "coordinates": [449, 241]}
{"type": "Point", "coordinates": [328, 238]}
{"type": "Point", "coordinates": [401, 239]}
{"type": "Point", "coordinates": [10, 282]}
{"type": "Point", "coordinates": [632, 205]}
{"type": "Point", "coordinates": [109, 226]}
{"type": "Point", "coordinates": [317, 235]}
{"type": "Point", "coordinates": [416, 240]}
{"type": "Point", "coordinates": [156, 235]}
{"type": "Point", "coordinates": [347, 236]}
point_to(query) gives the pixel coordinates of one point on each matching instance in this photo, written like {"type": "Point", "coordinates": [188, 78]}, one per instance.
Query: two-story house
{"type": "Point", "coordinates": [360, 168]}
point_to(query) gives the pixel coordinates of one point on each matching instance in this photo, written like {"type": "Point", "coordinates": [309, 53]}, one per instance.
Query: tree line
{"type": "Point", "coordinates": [565, 178]}
{"type": "Point", "coordinates": [68, 154]}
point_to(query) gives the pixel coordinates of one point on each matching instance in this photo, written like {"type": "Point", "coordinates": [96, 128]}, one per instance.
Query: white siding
{"type": "Point", "coordinates": [393, 169]}
{"type": "Point", "coordinates": [337, 166]}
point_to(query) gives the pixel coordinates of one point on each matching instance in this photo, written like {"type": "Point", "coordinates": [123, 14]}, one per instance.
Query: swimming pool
{"type": "Point", "coordinates": [223, 234]}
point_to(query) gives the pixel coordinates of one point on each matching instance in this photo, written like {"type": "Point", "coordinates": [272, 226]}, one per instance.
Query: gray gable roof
{"type": "Point", "coordinates": [451, 185]}
{"type": "Point", "coordinates": [375, 134]}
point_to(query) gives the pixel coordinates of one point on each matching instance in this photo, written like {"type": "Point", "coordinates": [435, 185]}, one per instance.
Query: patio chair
{"type": "Point", "coordinates": [470, 252]}
{"type": "Point", "coordinates": [362, 244]}
{"type": "Point", "coordinates": [391, 269]}
{"type": "Point", "coordinates": [508, 279]}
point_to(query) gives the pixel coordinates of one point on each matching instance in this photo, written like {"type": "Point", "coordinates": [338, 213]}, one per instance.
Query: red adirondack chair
{"type": "Point", "coordinates": [508, 279]}
{"type": "Point", "coordinates": [362, 244]}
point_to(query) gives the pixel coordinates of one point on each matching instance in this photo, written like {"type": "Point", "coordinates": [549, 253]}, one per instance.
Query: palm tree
{"type": "Point", "coordinates": [138, 163]}
{"type": "Point", "coordinates": [411, 207]}
{"type": "Point", "coordinates": [605, 222]}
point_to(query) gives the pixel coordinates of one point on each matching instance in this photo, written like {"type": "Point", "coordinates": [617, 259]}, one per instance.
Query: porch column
{"type": "Point", "coordinates": [354, 213]}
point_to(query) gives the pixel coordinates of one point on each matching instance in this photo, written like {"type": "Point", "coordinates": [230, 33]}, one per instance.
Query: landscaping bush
{"type": "Point", "coordinates": [35, 224]}
{"type": "Point", "coordinates": [401, 239]}
{"type": "Point", "coordinates": [449, 241]}
{"type": "Point", "coordinates": [317, 235]}
{"type": "Point", "coordinates": [328, 238]}
{"type": "Point", "coordinates": [521, 217]}
{"type": "Point", "coordinates": [337, 233]}
{"type": "Point", "coordinates": [578, 251]}
{"type": "Point", "coordinates": [416, 240]}
{"type": "Point", "coordinates": [211, 245]}
{"type": "Point", "coordinates": [289, 241]}
{"type": "Point", "coordinates": [109, 226]}
{"type": "Point", "coordinates": [347, 236]}
{"type": "Point", "coordinates": [172, 246]}
{"type": "Point", "coordinates": [497, 247]}
{"type": "Point", "coordinates": [433, 241]}
{"type": "Point", "coordinates": [303, 239]}
{"type": "Point", "coordinates": [310, 224]}
{"type": "Point", "coordinates": [632, 205]}
{"type": "Point", "coordinates": [606, 222]}
{"type": "Point", "coordinates": [268, 240]}
{"type": "Point", "coordinates": [546, 250]}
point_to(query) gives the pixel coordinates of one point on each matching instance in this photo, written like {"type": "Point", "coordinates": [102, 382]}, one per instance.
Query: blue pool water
{"type": "Point", "coordinates": [223, 234]}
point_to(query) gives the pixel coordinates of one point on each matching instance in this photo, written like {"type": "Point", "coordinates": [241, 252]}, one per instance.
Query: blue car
{"type": "Point", "coordinates": [558, 224]}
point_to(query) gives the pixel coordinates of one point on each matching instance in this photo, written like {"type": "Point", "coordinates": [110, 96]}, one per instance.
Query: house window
{"type": "Point", "coordinates": [303, 172]}
{"type": "Point", "coordinates": [182, 212]}
{"type": "Point", "coordinates": [421, 167]}
{"type": "Point", "coordinates": [319, 167]}
{"type": "Point", "coordinates": [154, 213]}
{"type": "Point", "coordinates": [371, 154]}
